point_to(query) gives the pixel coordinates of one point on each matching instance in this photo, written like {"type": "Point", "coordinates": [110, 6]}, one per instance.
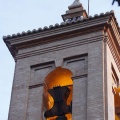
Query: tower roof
{"type": "Point", "coordinates": [75, 4]}
{"type": "Point", "coordinates": [75, 10]}
{"type": "Point", "coordinates": [65, 30]}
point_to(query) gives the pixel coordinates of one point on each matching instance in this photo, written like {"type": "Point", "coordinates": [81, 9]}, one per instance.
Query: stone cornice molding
{"type": "Point", "coordinates": [94, 24]}
{"type": "Point", "coordinates": [64, 31]}
{"type": "Point", "coordinates": [113, 39]}
{"type": "Point", "coordinates": [60, 47]}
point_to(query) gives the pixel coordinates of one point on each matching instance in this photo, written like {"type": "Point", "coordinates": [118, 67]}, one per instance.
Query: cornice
{"type": "Point", "coordinates": [88, 23]}
{"type": "Point", "coordinates": [56, 26]}
{"type": "Point", "coordinates": [114, 48]}
{"type": "Point", "coordinates": [60, 47]}
{"type": "Point", "coordinates": [57, 32]}
{"type": "Point", "coordinates": [113, 39]}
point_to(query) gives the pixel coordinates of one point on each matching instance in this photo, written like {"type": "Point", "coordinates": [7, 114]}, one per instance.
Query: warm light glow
{"type": "Point", "coordinates": [116, 117]}
{"type": "Point", "coordinates": [117, 101]}
{"type": "Point", "coordinates": [69, 116]}
{"type": "Point", "coordinates": [117, 97]}
{"type": "Point", "coordinates": [117, 89]}
{"type": "Point", "coordinates": [52, 118]}
{"type": "Point", "coordinates": [58, 77]}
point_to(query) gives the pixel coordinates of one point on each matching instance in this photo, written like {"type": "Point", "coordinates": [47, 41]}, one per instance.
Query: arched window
{"type": "Point", "coordinates": [57, 95]}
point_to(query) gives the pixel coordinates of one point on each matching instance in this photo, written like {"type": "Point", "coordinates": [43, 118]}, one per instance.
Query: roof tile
{"type": "Point", "coordinates": [79, 19]}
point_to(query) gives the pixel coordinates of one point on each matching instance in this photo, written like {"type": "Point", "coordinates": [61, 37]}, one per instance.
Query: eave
{"type": "Point", "coordinates": [58, 32]}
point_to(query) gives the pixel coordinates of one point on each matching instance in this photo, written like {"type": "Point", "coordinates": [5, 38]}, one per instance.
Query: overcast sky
{"type": "Point", "coordinates": [22, 15]}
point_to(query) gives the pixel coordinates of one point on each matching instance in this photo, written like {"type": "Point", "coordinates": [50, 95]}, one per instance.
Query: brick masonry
{"type": "Point", "coordinates": [80, 47]}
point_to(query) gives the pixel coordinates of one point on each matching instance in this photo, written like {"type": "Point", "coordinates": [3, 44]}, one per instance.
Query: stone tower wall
{"type": "Point", "coordinates": [83, 55]}
{"type": "Point", "coordinates": [89, 47]}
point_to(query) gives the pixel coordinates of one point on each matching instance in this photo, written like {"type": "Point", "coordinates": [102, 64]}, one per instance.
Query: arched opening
{"type": "Point", "coordinates": [117, 103]}
{"type": "Point", "coordinates": [57, 95]}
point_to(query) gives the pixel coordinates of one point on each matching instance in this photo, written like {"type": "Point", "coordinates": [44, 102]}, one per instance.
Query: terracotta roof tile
{"type": "Point", "coordinates": [58, 25]}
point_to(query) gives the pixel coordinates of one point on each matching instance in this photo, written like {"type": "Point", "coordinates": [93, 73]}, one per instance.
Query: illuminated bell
{"type": "Point", "coordinates": [57, 94]}
{"type": "Point", "coordinates": [60, 108]}
{"type": "Point", "coordinates": [59, 77]}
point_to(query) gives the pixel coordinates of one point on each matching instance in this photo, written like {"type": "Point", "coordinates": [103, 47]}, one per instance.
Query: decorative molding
{"type": "Point", "coordinates": [39, 72]}
{"type": "Point", "coordinates": [113, 39]}
{"type": "Point", "coordinates": [35, 86]}
{"type": "Point", "coordinates": [62, 30]}
{"type": "Point", "coordinates": [114, 51]}
{"type": "Point", "coordinates": [60, 33]}
{"type": "Point", "coordinates": [78, 65]}
{"type": "Point", "coordinates": [81, 76]}
{"type": "Point", "coordinates": [60, 47]}
{"type": "Point", "coordinates": [34, 31]}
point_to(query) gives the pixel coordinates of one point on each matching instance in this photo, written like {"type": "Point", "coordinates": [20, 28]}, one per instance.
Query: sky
{"type": "Point", "coordinates": [23, 15]}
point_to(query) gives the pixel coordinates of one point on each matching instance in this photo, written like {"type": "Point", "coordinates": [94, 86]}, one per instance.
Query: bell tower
{"type": "Point", "coordinates": [67, 71]}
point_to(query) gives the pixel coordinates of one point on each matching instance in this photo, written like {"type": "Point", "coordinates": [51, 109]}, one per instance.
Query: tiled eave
{"type": "Point", "coordinates": [58, 31]}
{"type": "Point", "coordinates": [56, 26]}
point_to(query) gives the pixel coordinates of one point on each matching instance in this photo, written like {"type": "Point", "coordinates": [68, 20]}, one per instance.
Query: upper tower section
{"type": "Point", "coordinates": [75, 10]}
